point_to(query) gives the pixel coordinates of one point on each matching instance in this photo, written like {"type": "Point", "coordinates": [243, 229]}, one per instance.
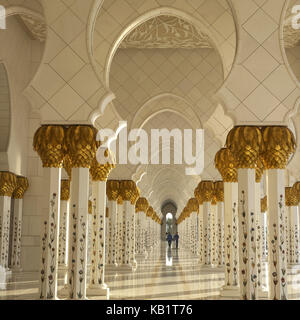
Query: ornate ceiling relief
{"type": "Point", "coordinates": [166, 32]}
{"type": "Point", "coordinates": [36, 28]}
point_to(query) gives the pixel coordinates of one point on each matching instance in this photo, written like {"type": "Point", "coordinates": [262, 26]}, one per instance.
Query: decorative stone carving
{"type": "Point", "coordinates": [279, 144]}
{"type": "Point", "coordinates": [219, 191]}
{"type": "Point", "coordinates": [141, 205]}
{"type": "Point", "coordinates": [81, 145]}
{"type": "Point", "coordinates": [166, 32]}
{"type": "Point", "coordinates": [8, 183]}
{"type": "Point", "coordinates": [21, 188]}
{"type": "Point", "coordinates": [245, 143]}
{"type": "Point", "coordinates": [225, 163]}
{"type": "Point", "coordinates": [193, 205]}
{"type": "Point", "coordinates": [206, 188]}
{"type": "Point", "coordinates": [291, 197]}
{"type": "Point", "coordinates": [112, 189]}
{"type": "Point", "coordinates": [49, 143]}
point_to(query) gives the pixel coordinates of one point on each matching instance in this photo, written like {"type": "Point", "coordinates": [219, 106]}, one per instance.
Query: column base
{"type": "Point", "coordinates": [125, 267]}
{"type": "Point", "coordinates": [16, 269]}
{"type": "Point", "coordinates": [97, 290]}
{"type": "Point", "coordinates": [294, 268]}
{"type": "Point", "coordinates": [111, 266]}
{"type": "Point", "coordinates": [64, 292]}
{"type": "Point", "coordinates": [5, 275]}
{"type": "Point", "coordinates": [62, 267]}
{"type": "Point", "coordinates": [263, 293]}
{"type": "Point", "coordinates": [230, 292]}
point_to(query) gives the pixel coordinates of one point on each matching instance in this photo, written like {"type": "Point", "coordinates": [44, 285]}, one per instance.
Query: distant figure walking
{"type": "Point", "coordinates": [169, 239]}
{"type": "Point", "coordinates": [176, 238]}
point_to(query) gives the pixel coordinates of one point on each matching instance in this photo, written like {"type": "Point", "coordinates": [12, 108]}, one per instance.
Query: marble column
{"type": "Point", "coordinates": [225, 163]}
{"type": "Point", "coordinates": [50, 236]}
{"type": "Point", "coordinates": [141, 208]}
{"type": "Point", "coordinates": [112, 192]}
{"type": "Point", "coordinates": [262, 292]}
{"type": "Point", "coordinates": [121, 233]}
{"type": "Point", "coordinates": [291, 202]}
{"type": "Point", "coordinates": [279, 144]}
{"type": "Point", "coordinates": [200, 232]}
{"type": "Point", "coordinates": [99, 173]}
{"type": "Point", "coordinates": [219, 196]}
{"type": "Point", "coordinates": [205, 192]}
{"type": "Point", "coordinates": [82, 146]}
{"type": "Point", "coordinates": [8, 183]}
{"type": "Point", "coordinates": [18, 195]}
{"type": "Point", "coordinates": [213, 234]}
{"type": "Point", "coordinates": [245, 143]}
{"type": "Point", "coordinates": [63, 224]}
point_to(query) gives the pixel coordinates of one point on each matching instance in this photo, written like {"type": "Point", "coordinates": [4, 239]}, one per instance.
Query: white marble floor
{"type": "Point", "coordinates": [167, 274]}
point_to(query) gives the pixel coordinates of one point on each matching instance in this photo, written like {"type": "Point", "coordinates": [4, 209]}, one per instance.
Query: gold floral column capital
{"type": "Point", "coordinates": [8, 183]}
{"type": "Point", "coordinates": [65, 190]}
{"type": "Point", "coordinates": [279, 144]}
{"type": "Point", "coordinates": [291, 197]}
{"type": "Point", "coordinates": [49, 143]}
{"type": "Point", "coordinates": [112, 190]}
{"type": "Point", "coordinates": [129, 191]}
{"type": "Point", "coordinates": [198, 195]}
{"type": "Point", "coordinates": [141, 205]}
{"type": "Point", "coordinates": [206, 189]}
{"type": "Point", "coordinates": [100, 172]}
{"type": "Point", "coordinates": [296, 188]}
{"type": "Point", "coordinates": [245, 143]}
{"type": "Point", "coordinates": [21, 188]}
{"type": "Point", "coordinates": [225, 163]}
{"type": "Point", "coordinates": [193, 205]}
{"type": "Point", "coordinates": [219, 191]}
{"type": "Point", "coordinates": [150, 212]}
{"type": "Point", "coordinates": [81, 145]}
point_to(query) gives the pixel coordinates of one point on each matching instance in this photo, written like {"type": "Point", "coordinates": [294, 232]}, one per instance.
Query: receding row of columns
{"type": "Point", "coordinates": [64, 241]}
{"type": "Point", "coordinates": [12, 189]}
{"type": "Point", "coordinates": [249, 152]}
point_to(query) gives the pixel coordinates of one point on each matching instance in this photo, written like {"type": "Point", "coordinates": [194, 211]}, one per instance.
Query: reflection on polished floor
{"type": "Point", "coordinates": [166, 274]}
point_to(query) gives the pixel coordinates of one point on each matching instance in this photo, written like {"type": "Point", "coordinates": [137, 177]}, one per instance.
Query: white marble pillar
{"type": "Point", "coordinates": [292, 211]}
{"type": "Point", "coordinates": [80, 198]}
{"type": "Point", "coordinates": [50, 236]}
{"type": "Point", "coordinates": [276, 235]}
{"type": "Point", "coordinates": [113, 241]}
{"type": "Point", "coordinates": [213, 235]}
{"type": "Point", "coordinates": [247, 235]}
{"type": "Point", "coordinates": [5, 212]}
{"type": "Point", "coordinates": [97, 284]}
{"type": "Point", "coordinates": [220, 233]}
{"type": "Point", "coordinates": [206, 234]}
{"type": "Point", "coordinates": [201, 233]}
{"type": "Point", "coordinates": [127, 207]}
{"type": "Point", "coordinates": [121, 233]}
{"type": "Point", "coordinates": [230, 207]}
{"type": "Point", "coordinates": [16, 239]}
